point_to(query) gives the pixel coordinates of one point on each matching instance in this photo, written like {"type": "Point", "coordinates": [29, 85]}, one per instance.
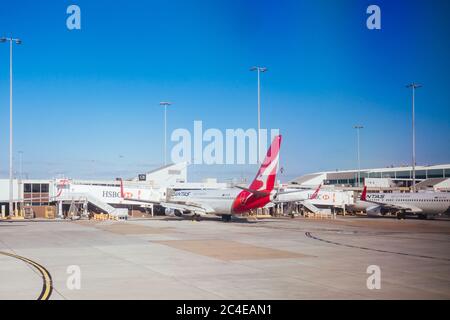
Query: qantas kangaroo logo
{"type": "Point", "coordinates": [261, 183]}
{"type": "Point", "coordinates": [258, 194]}
{"type": "Point", "coordinates": [265, 178]}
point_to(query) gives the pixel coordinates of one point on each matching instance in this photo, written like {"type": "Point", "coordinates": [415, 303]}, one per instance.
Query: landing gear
{"type": "Point", "coordinates": [422, 216]}
{"type": "Point", "coordinates": [196, 217]}
{"type": "Point", "coordinates": [226, 217]}
{"type": "Point", "coordinates": [401, 215]}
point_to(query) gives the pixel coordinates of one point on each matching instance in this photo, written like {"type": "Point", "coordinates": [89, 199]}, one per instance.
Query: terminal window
{"type": "Point", "coordinates": [435, 173]}
{"type": "Point", "coordinates": [447, 173]}
{"type": "Point", "coordinates": [388, 174]}
{"type": "Point", "coordinates": [421, 174]}
{"type": "Point", "coordinates": [403, 174]}
{"type": "Point", "coordinates": [27, 187]}
{"type": "Point", "coordinates": [37, 193]}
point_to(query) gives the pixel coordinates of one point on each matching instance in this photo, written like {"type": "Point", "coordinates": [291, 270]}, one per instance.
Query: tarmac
{"type": "Point", "coordinates": [278, 258]}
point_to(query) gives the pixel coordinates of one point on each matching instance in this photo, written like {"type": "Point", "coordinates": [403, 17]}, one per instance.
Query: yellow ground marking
{"type": "Point", "coordinates": [47, 286]}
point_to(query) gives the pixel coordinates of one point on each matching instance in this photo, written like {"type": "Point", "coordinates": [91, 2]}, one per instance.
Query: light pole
{"type": "Point", "coordinates": [413, 86]}
{"type": "Point", "coordinates": [358, 127]}
{"type": "Point", "coordinates": [21, 164]}
{"type": "Point", "coordinates": [17, 41]}
{"type": "Point", "coordinates": [165, 104]}
{"type": "Point", "coordinates": [259, 70]}
{"type": "Point", "coordinates": [20, 175]}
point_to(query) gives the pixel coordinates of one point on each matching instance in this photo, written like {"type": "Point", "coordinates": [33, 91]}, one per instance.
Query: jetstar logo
{"type": "Point", "coordinates": [375, 196]}
{"type": "Point", "coordinates": [182, 194]}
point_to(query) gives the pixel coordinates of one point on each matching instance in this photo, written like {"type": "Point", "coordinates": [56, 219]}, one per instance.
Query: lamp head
{"type": "Point", "coordinates": [261, 69]}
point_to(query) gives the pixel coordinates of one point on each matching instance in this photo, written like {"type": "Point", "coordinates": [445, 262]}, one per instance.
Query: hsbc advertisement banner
{"type": "Point", "coordinates": [332, 198]}
{"type": "Point", "coordinates": [107, 194]}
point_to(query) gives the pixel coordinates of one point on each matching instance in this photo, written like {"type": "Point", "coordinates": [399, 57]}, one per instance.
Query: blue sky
{"type": "Point", "coordinates": [86, 101]}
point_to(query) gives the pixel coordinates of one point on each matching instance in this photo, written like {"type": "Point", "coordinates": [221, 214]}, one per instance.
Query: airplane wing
{"type": "Point", "coordinates": [256, 193]}
{"type": "Point", "coordinates": [183, 206]}
{"type": "Point", "coordinates": [299, 199]}
{"type": "Point", "coordinates": [409, 208]}
{"type": "Point", "coordinates": [199, 209]}
{"type": "Point", "coordinates": [399, 206]}
{"type": "Point", "coordinates": [143, 201]}
{"type": "Point", "coordinates": [288, 192]}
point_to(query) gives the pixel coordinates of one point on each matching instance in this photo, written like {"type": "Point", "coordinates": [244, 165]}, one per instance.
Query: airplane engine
{"type": "Point", "coordinates": [376, 211]}
{"type": "Point", "coordinates": [172, 212]}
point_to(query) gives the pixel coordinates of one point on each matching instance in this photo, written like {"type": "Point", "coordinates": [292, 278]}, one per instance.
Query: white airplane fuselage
{"type": "Point", "coordinates": [429, 203]}
{"type": "Point", "coordinates": [218, 201]}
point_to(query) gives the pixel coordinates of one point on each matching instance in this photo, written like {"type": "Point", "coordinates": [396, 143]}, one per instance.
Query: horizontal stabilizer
{"type": "Point", "coordinates": [255, 193]}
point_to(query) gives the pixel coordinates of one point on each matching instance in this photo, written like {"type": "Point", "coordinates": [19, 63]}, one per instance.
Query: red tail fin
{"type": "Point", "coordinates": [364, 194]}
{"type": "Point", "coordinates": [265, 178]}
{"type": "Point", "coordinates": [314, 195]}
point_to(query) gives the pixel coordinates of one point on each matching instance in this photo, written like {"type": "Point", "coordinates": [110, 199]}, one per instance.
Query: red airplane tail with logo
{"type": "Point", "coordinates": [258, 193]}
{"type": "Point", "coordinates": [122, 194]}
{"type": "Point", "coordinates": [364, 194]}
{"type": "Point", "coordinates": [265, 178]}
{"type": "Point", "coordinates": [316, 193]}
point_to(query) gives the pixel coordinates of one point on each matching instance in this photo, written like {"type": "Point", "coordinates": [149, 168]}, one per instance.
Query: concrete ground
{"type": "Point", "coordinates": [165, 258]}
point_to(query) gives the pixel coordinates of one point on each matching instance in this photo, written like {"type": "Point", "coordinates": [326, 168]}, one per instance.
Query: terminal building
{"type": "Point", "coordinates": [436, 177]}
{"type": "Point", "coordinates": [61, 196]}
{"type": "Point", "coordinates": [65, 197]}
{"type": "Point", "coordinates": [340, 189]}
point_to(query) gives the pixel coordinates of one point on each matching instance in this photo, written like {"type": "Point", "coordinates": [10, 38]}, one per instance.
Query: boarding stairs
{"type": "Point", "coordinates": [94, 201]}
{"type": "Point", "coordinates": [314, 212]}
{"type": "Point", "coordinates": [74, 212]}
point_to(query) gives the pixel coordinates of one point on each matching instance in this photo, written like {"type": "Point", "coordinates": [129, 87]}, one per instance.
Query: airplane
{"type": "Point", "coordinates": [422, 204]}
{"type": "Point", "coordinates": [226, 202]}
